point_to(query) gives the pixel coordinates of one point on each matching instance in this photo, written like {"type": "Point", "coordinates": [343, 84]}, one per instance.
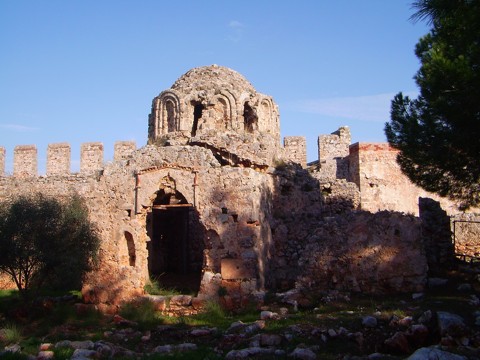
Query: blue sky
{"type": "Point", "coordinates": [87, 70]}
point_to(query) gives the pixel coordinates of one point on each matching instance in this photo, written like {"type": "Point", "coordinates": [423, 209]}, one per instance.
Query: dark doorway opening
{"type": "Point", "coordinates": [175, 250]}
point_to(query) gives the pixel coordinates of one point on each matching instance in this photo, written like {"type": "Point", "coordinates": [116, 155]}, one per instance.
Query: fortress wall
{"type": "Point", "coordinates": [25, 161]}
{"type": "Point", "coordinates": [58, 159]}
{"type": "Point", "coordinates": [91, 157]}
{"type": "Point", "coordinates": [2, 161]}
{"type": "Point", "coordinates": [333, 153]}
{"type": "Point", "coordinates": [380, 180]}
{"type": "Point", "coordinates": [383, 186]}
{"type": "Point", "coordinates": [296, 149]}
{"type": "Point", "coordinates": [123, 149]}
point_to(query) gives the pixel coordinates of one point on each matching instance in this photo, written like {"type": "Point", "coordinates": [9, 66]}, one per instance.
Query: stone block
{"type": "Point", "coordinates": [236, 269]}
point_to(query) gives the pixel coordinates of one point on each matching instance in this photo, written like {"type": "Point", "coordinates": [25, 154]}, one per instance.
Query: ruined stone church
{"type": "Point", "coordinates": [216, 201]}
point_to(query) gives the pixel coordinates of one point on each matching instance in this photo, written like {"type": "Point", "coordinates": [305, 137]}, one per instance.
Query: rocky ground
{"type": "Point", "coordinates": [442, 323]}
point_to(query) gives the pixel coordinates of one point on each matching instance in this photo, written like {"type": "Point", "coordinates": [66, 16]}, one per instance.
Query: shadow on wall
{"type": "Point", "coordinates": [285, 234]}
{"type": "Point", "coordinates": [437, 237]}
{"type": "Point", "coordinates": [323, 242]}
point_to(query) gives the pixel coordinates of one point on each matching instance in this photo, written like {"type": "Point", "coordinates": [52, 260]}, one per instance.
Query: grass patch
{"type": "Point", "coordinates": [11, 334]}
{"type": "Point", "coordinates": [143, 313]}
{"type": "Point", "coordinates": [153, 287]}
{"type": "Point", "coordinates": [212, 315]}
{"type": "Point", "coordinates": [63, 353]}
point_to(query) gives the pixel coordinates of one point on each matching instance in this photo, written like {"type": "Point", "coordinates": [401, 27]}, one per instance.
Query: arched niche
{"type": "Point", "coordinates": [168, 119]}
{"type": "Point", "coordinates": [225, 105]}
{"type": "Point", "coordinates": [265, 116]}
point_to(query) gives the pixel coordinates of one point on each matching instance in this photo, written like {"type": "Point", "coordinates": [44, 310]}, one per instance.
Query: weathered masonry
{"type": "Point", "coordinates": [215, 202]}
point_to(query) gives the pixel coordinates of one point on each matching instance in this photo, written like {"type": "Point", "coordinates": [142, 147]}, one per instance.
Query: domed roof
{"type": "Point", "coordinates": [212, 77]}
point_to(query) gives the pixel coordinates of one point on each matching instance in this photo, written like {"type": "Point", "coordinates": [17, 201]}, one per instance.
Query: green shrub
{"type": "Point", "coordinates": [38, 235]}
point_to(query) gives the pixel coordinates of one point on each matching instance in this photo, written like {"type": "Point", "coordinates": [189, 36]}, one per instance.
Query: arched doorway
{"type": "Point", "coordinates": [175, 250]}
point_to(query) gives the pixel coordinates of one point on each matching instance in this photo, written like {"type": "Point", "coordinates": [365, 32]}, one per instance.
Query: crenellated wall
{"type": "Point", "coordinates": [25, 158]}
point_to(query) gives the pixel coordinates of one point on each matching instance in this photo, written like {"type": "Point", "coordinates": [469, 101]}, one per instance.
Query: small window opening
{"type": "Point", "coordinates": [197, 115]}
{"type": "Point", "coordinates": [170, 109]}
{"type": "Point", "coordinates": [250, 118]}
{"type": "Point", "coordinates": [131, 248]}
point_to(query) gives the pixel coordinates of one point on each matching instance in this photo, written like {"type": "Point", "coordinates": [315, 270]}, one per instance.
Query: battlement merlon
{"type": "Point", "coordinates": [123, 149]}
{"type": "Point", "coordinates": [25, 161]}
{"type": "Point", "coordinates": [296, 149]}
{"type": "Point", "coordinates": [58, 159]}
{"type": "Point", "coordinates": [333, 152]}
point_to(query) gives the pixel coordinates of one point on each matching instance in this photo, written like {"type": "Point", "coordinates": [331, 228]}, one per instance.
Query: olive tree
{"type": "Point", "coordinates": [46, 242]}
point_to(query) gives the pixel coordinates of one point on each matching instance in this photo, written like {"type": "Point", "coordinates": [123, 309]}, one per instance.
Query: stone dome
{"type": "Point", "coordinates": [212, 77]}
{"type": "Point", "coordinates": [215, 105]}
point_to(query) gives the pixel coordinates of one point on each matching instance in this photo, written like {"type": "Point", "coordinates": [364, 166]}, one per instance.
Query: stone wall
{"type": "Point", "coordinates": [58, 159]}
{"type": "Point", "coordinates": [25, 161]}
{"type": "Point", "coordinates": [253, 224]}
{"type": "Point", "coordinates": [383, 186]}
{"type": "Point", "coordinates": [364, 252]}
{"type": "Point", "coordinates": [91, 157]}
{"type": "Point", "coordinates": [437, 236]}
{"type": "Point", "coordinates": [333, 153]}
{"type": "Point", "coordinates": [123, 149]}
{"type": "Point", "coordinates": [466, 232]}
{"type": "Point", "coordinates": [296, 149]}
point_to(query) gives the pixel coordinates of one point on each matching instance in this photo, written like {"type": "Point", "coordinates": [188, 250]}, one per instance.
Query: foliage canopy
{"type": "Point", "coordinates": [46, 242]}
{"type": "Point", "coordinates": [438, 134]}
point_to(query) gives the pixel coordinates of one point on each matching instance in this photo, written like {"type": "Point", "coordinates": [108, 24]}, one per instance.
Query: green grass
{"type": "Point", "coordinates": [62, 322]}
{"type": "Point", "coordinates": [153, 287]}
{"type": "Point", "coordinates": [11, 334]}
{"type": "Point", "coordinates": [63, 353]}
{"type": "Point", "coordinates": [143, 313]}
